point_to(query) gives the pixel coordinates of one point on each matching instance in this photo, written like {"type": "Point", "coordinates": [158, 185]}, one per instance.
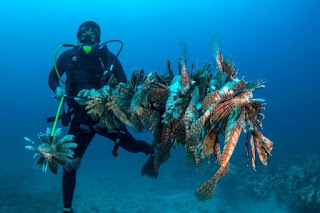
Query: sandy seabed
{"type": "Point", "coordinates": [123, 192]}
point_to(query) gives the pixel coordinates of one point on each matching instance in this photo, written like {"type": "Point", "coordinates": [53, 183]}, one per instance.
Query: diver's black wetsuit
{"type": "Point", "coordinates": [86, 72]}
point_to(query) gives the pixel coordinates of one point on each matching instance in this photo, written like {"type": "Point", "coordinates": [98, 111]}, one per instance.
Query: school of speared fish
{"type": "Point", "coordinates": [190, 110]}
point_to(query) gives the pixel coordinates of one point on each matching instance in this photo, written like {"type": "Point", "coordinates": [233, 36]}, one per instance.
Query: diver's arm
{"type": "Point", "coordinates": [118, 71]}
{"type": "Point", "coordinates": [53, 77]}
{"type": "Point", "coordinates": [53, 80]}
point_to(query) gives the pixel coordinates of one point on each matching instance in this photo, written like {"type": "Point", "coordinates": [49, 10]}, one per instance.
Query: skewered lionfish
{"type": "Point", "coordinates": [229, 110]}
{"type": "Point", "coordinates": [192, 110]}
{"type": "Point", "coordinates": [98, 108]}
{"type": "Point", "coordinates": [53, 151]}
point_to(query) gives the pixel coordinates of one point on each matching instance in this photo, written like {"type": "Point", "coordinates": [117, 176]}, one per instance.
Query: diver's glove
{"type": "Point", "coordinates": [86, 95]}
{"type": "Point", "coordinates": [82, 97]}
{"type": "Point", "coordinates": [60, 93]}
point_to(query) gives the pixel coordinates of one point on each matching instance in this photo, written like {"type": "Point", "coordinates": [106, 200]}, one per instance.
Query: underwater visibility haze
{"type": "Point", "coordinates": [230, 62]}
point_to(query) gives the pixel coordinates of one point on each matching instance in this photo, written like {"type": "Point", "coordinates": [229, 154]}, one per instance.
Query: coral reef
{"type": "Point", "coordinates": [295, 182]}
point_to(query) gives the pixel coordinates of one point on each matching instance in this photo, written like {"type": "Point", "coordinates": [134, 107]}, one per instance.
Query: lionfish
{"type": "Point", "coordinates": [53, 151]}
{"type": "Point", "coordinates": [98, 108]}
{"type": "Point", "coordinates": [225, 106]}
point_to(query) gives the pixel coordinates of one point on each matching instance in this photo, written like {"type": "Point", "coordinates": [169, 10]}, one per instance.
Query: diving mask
{"type": "Point", "coordinates": [88, 40]}
{"type": "Point", "coordinates": [88, 37]}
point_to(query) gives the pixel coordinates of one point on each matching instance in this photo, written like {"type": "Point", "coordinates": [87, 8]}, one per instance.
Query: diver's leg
{"type": "Point", "coordinates": [83, 138]}
{"type": "Point", "coordinates": [126, 141]}
{"type": "Point", "coordinates": [68, 186]}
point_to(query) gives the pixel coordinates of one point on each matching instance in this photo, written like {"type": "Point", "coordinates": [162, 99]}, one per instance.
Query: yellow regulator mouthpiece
{"type": "Point", "coordinates": [87, 49]}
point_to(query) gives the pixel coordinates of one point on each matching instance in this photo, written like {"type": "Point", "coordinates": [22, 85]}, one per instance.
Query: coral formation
{"type": "Point", "coordinates": [297, 186]}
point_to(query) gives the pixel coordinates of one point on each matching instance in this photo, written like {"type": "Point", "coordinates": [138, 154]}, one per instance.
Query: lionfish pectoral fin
{"type": "Point", "coordinates": [40, 161]}
{"type": "Point", "coordinates": [262, 153]}
{"type": "Point", "coordinates": [31, 147]}
{"type": "Point", "coordinates": [266, 143]}
{"type": "Point", "coordinates": [53, 166]}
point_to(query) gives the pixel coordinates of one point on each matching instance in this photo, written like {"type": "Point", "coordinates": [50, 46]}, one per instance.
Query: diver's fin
{"type": "Point", "coordinates": [73, 164]}
{"type": "Point", "coordinates": [76, 163]}
{"type": "Point", "coordinates": [67, 210]}
{"type": "Point", "coordinates": [148, 168]}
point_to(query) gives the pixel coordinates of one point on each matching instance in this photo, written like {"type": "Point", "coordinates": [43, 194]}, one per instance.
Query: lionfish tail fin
{"type": "Point", "coordinates": [206, 190]}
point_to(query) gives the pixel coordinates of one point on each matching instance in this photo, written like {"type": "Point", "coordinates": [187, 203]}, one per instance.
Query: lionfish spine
{"type": "Point", "coordinates": [253, 151]}
{"type": "Point", "coordinates": [247, 149]}
{"type": "Point", "coordinates": [185, 77]}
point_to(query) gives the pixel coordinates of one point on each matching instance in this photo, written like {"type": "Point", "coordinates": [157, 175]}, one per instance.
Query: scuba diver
{"type": "Point", "coordinates": [89, 66]}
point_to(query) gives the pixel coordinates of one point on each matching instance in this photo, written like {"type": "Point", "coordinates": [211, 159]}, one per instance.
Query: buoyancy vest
{"type": "Point", "coordinates": [85, 72]}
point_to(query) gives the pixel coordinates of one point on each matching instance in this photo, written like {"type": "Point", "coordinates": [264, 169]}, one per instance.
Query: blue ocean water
{"type": "Point", "coordinates": [275, 40]}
